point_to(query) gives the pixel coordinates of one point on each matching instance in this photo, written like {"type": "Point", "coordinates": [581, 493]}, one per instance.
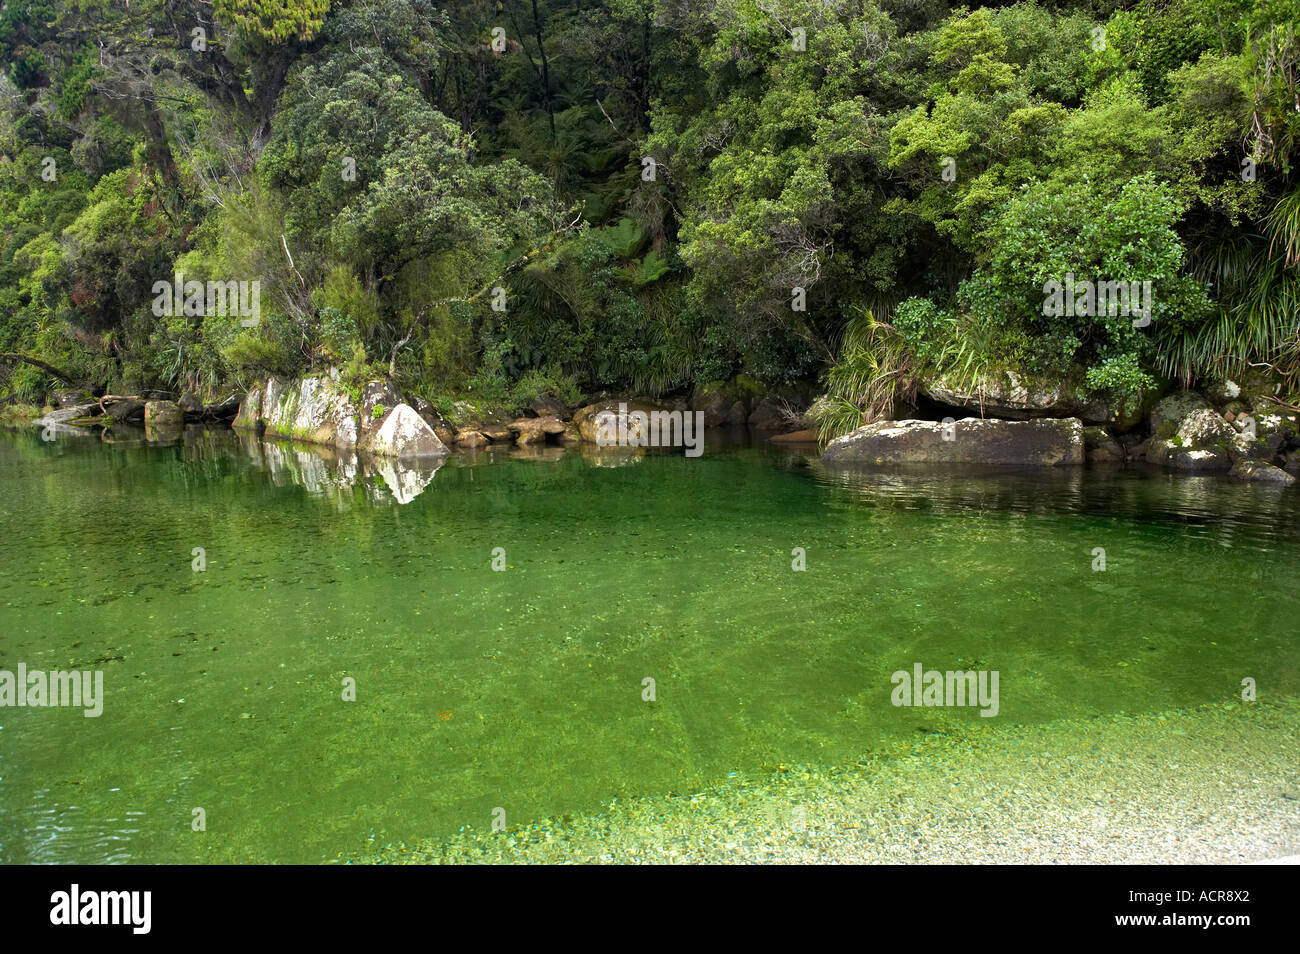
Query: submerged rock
{"type": "Point", "coordinates": [1038, 443]}
{"type": "Point", "coordinates": [806, 436]}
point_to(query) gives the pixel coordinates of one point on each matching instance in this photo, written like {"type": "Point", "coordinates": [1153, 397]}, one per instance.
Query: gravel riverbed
{"type": "Point", "coordinates": [1217, 784]}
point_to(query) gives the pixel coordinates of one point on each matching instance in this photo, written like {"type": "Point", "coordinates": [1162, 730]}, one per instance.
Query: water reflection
{"type": "Point", "coordinates": [333, 473]}
{"type": "Point", "coordinates": [1133, 494]}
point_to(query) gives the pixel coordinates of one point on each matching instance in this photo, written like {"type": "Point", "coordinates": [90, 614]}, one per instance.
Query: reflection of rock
{"type": "Point", "coordinates": [123, 434]}
{"type": "Point", "coordinates": [163, 433]}
{"type": "Point", "coordinates": [548, 453]}
{"type": "Point", "coordinates": [599, 456]}
{"type": "Point", "coordinates": [336, 473]}
{"type": "Point", "coordinates": [406, 479]}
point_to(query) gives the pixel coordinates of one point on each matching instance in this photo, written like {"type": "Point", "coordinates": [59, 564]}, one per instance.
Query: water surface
{"type": "Point", "coordinates": [523, 689]}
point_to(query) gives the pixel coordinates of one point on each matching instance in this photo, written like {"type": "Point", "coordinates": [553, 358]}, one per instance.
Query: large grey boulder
{"type": "Point", "coordinates": [1021, 397]}
{"type": "Point", "coordinates": [1204, 441]}
{"type": "Point", "coordinates": [1038, 443]}
{"type": "Point", "coordinates": [1259, 472]}
{"type": "Point", "coordinates": [1170, 412]}
{"type": "Point", "coordinates": [67, 415]}
{"type": "Point", "coordinates": [163, 414]}
{"type": "Point", "coordinates": [714, 402]}
{"type": "Point", "coordinates": [315, 409]}
{"type": "Point", "coordinates": [126, 409]}
{"type": "Point", "coordinates": [403, 434]}
{"type": "Point", "coordinates": [1100, 446]}
{"type": "Point", "coordinates": [1006, 395]}
{"type": "Point", "coordinates": [604, 420]}
{"type": "Point", "coordinates": [768, 415]}
{"type": "Point", "coordinates": [249, 415]}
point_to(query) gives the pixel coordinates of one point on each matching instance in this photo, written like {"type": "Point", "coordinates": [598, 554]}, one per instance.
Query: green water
{"type": "Point", "coordinates": [522, 689]}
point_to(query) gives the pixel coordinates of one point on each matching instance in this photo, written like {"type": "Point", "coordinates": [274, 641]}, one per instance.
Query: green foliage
{"type": "Point", "coordinates": [874, 369]}
{"type": "Point", "coordinates": [382, 171]}
{"type": "Point", "coordinates": [273, 21]}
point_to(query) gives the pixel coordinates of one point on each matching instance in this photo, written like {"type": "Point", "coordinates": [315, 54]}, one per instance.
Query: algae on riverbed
{"type": "Point", "coordinates": [1215, 784]}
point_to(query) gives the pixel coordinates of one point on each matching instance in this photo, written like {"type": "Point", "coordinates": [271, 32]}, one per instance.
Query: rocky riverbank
{"type": "Point", "coordinates": [1249, 434]}
{"type": "Point", "coordinates": [1247, 431]}
{"type": "Point", "coordinates": [1214, 785]}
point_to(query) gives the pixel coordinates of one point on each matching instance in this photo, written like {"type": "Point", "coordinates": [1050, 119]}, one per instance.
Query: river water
{"type": "Point", "coordinates": [233, 593]}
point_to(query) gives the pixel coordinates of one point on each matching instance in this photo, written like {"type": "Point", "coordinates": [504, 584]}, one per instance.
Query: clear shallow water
{"type": "Point", "coordinates": [522, 689]}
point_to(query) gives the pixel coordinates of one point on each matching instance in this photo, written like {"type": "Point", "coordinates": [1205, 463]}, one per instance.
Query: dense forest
{"type": "Point", "coordinates": [497, 200]}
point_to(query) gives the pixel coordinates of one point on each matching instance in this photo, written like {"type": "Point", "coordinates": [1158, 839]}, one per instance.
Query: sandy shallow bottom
{"type": "Point", "coordinates": [1214, 785]}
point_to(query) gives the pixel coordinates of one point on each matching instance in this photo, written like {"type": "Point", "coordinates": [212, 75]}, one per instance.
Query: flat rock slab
{"type": "Point", "coordinates": [1048, 442]}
